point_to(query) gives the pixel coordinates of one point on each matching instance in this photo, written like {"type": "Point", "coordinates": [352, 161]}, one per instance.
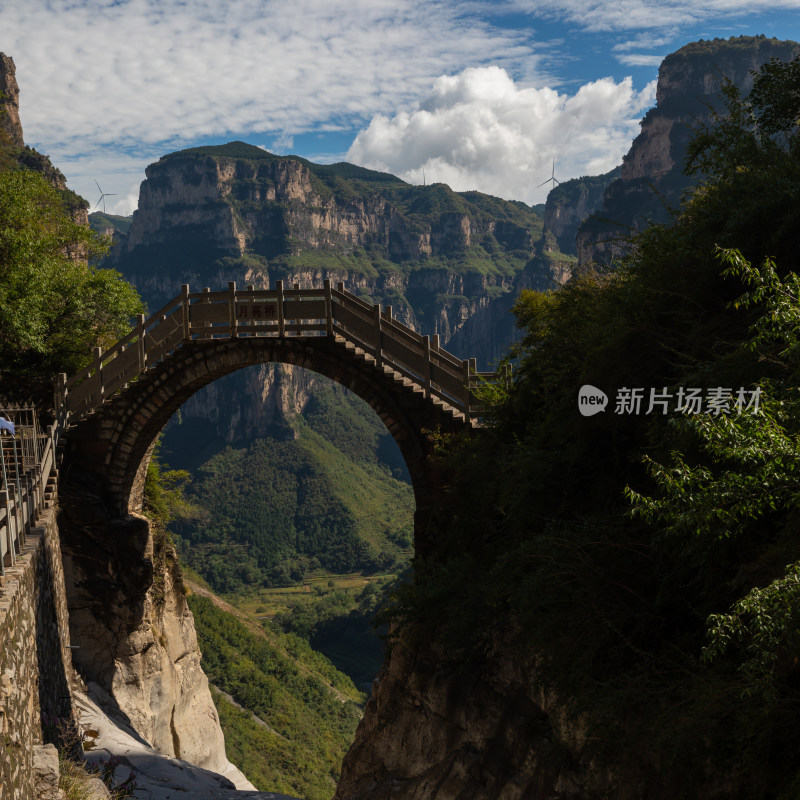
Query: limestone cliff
{"type": "Point", "coordinates": [570, 203]}
{"type": "Point", "coordinates": [9, 101]}
{"type": "Point", "coordinates": [488, 729]}
{"type": "Point", "coordinates": [212, 215]}
{"type": "Point", "coordinates": [652, 179]}
{"type": "Point", "coordinates": [14, 151]}
{"type": "Point", "coordinates": [133, 633]}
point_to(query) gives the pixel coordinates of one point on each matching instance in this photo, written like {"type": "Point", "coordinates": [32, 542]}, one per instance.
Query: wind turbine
{"type": "Point", "coordinates": [552, 178]}
{"type": "Point", "coordinates": [103, 196]}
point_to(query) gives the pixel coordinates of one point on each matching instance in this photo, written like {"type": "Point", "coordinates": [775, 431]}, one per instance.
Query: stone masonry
{"type": "Point", "coordinates": [35, 657]}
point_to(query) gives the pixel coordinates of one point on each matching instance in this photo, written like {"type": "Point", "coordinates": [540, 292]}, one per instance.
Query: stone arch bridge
{"type": "Point", "coordinates": [116, 407]}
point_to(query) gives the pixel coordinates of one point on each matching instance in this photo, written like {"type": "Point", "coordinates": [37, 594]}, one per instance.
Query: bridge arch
{"type": "Point", "coordinates": [116, 441]}
{"type": "Point", "coordinates": [121, 403]}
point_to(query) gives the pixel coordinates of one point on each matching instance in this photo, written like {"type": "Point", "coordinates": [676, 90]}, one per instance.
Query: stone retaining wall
{"type": "Point", "coordinates": [35, 659]}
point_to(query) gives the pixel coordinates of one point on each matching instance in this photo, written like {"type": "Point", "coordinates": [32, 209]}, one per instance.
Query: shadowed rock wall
{"type": "Point", "coordinates": [35, 658]}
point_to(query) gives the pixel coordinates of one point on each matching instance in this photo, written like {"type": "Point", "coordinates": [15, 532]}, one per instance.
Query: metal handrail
{"type": "Point", "coordinates": [23, 495]}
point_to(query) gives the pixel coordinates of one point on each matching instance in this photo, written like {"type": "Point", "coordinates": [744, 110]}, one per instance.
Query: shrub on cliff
{"type": "Point", "coordinates": [54, 306]}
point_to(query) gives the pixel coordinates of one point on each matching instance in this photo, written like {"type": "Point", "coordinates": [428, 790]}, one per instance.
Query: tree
{"type": "Point", "coordinates": [54, 306]}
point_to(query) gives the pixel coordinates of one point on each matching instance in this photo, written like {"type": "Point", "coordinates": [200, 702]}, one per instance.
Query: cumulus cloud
{"type": "Point", "coordinates": [481, 130]}
{"type": "Point", "coordinates": [107, 84]}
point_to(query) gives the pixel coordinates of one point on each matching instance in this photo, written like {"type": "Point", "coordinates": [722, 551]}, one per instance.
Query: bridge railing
{"type": "Point", "coordinates": [278, 312]}
{"type": "Point", "coordinates": [27, 463]}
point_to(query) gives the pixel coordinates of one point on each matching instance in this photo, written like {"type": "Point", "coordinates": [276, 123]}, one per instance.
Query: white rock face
{"type": "Point", "coordinates": [163, 690]}
{"type": "Point", "coordinates": [157, 777]}
{"type": "Point", "coordinates": [134, 635]}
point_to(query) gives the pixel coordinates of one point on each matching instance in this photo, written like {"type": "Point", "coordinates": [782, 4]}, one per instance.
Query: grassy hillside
{"type": "Point", "coordinates": [333, 498]}
{"type": "Point", "coordinates": [288, 715]}
{"type": "Point", "coordinates": [100, 222]}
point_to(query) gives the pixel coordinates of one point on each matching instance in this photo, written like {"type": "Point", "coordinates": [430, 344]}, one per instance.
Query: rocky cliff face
{"type": "Point", "coordinates": [16, 153]}
{"type": "Point", "coordinates": [237, 213]}
{"type": "Point", "coordinates": [243, 200]}
{"type": "Point", "coordinates": [489, 730]}
{"type": "Point", "coordinates": [652, 179]}
{"type": "Point", "coordinates": [133, 631]}
{"type": "Point", "coordinates": [9, 101]}
{"type": "Point", "coordinates": [570, 203]}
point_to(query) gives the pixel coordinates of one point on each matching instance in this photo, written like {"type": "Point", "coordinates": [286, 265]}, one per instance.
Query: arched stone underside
{"type": "Point", "coordinates": [114, 443]}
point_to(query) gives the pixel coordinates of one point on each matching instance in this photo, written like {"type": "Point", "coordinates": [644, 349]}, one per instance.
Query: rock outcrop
{"type": "Point", "coordinates": [490, 729]}
{"type": "Point", "coordinates": [237, 213]}
{"type": "Point", "coordinates": [9, 102]}
{"type": "Point", "coordinates": [133, 631]}
{"type": "Point", "coordinates": [652, 180]}
{"type": "Point", "coordinates": [570, 203]}
{"type": "Point", "coordinates": [14, 151]}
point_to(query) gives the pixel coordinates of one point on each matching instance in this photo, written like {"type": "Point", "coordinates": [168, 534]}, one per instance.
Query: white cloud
{"type": "Point", "coordinates": [107, 84]}
{"type": "Point", "coordinates": [129, 76]}
{"type": "Point", "coordinates": [627, 15]}
{"type": "Point", "coordinates": [480, 130]}
{"type": "Point", "coordinates": [281, 144]}
{"type": "Point", "coordinates": [127, 203]}
{"type": "Point", "coordinates": [640, 60]}
{"type": "Point", "coordinates": [643, 41]}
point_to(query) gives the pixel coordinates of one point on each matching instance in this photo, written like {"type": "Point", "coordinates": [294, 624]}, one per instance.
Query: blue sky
{"type": "Point", "coordinates": [481, 95]}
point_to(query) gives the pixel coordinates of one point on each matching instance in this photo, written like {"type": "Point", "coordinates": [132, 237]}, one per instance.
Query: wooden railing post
{"type": "Point", "coordinates": [232, 307]}
{"type": "Point", "coordinates": [206, 299]}
{"type": "Point", "coordinates": [6, 502]}
{"type": "Point", "coordinates": [296, 288]}
{"type": "Point", "coordinates": [467, 388]}
{"type": "Point", "coordinates": [2, 557]}
{"type": "Point", "coordinates": [60, 391]}
{"type": "Point", "coordinates": [141, 343]}
{"type": "Point", "coordinates": [98, 373]}
{"type": "Point", "coordinates": [251, 299]}
{"type": "Point", "coordinates": [29, 508]}
{"type": "Point", "coordinates": [281, 318]}
{"type": "Point", "coordinates": [426, 352]}
{"type": "Point", "coordinates": [185, 306]}
{"type": "Point", "coordinates": [376, 312]}
{"type": "Point", "coordinates": [38, 493]}
{"type": "Point", "coordinates": [328, 308]}
{"type": "Point", "coordinates": [473, 370]}
{"type": "Point", "coordinates": [387, 312]}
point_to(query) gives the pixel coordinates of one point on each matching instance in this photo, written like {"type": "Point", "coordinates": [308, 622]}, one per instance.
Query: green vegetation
{"type": "Point", "coordinates": [53, 307]}
{"type": "Point", "coordinates": [331, 499]}
{"type": "Point", "coordinates": [642, 558]}
{"type": "Point", "coordinates": [340, 624]}
{"type": "Point", "coordinates": [301, 713]}
{"type": "Point", "coordinates": [100, 222]}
